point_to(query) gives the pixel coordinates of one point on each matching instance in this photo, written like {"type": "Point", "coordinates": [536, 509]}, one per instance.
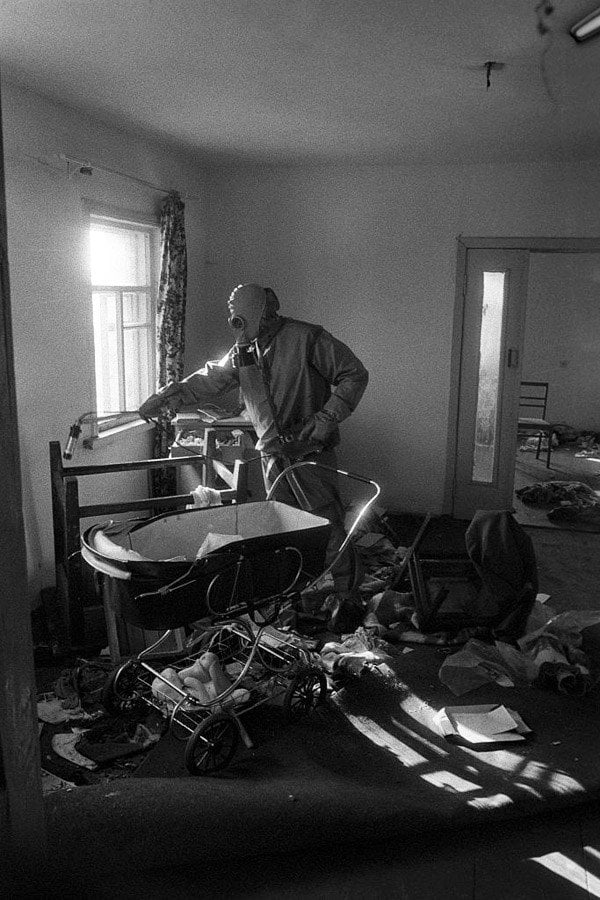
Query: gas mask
{"type": "Point", "coordinates": [247, 305]}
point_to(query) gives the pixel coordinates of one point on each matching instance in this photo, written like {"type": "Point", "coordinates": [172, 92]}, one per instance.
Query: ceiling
{"type": "Point", "coordinates": [318, 81]}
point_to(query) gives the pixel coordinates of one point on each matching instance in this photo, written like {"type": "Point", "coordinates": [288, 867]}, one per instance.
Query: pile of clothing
{"type": "Point", "coordinates": [588, 444]}
{"type": "Point", "coordinates": [551, 656]}
{"type": "Point", "coordinates": [569, 501]}
{"type": "Point", "coordinates": [75, 727]}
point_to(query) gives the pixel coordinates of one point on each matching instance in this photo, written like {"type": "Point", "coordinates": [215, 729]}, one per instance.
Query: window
{"type": "Point", "coordinates": [123, 255]}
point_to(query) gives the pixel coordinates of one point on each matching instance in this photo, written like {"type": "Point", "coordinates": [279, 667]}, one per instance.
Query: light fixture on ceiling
{"type": "Point", "coordinates": [587, 27]}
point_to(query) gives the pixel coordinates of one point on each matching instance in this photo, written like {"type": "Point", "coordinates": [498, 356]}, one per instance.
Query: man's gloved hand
{"type": "Point", "coordinates": [167, 397]}
{"type": "Point", "coordinates": [318, 429]}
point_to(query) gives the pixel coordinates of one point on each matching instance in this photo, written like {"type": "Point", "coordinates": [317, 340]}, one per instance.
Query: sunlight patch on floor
{"type": "Point", "coordinates": [571, 871]}
{"type": "Point", "coordinates": [565, 784]}
{"type": "Point", "coordinates": [528, 789]}
{"type": "Point", "coordinates": [383, 738]}
{"type": "Point", "coordinates": [535, 771]}
{"type": "Point", "coordinates": [496, 801]}
{"type": "Point", "coordinates": [417, 737]}
{"type": "Point", "coordinates": [450, 782]}
{"type": "Point", "coordinates": [500, 759]}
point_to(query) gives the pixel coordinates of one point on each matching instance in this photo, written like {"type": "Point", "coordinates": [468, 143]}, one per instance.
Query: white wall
{"type": "Point", "coordinates": [562, 335]}
{"type": "Point", "coordinates": [371, 254]}
{"type": "Point", "coordinates": [49, 279]}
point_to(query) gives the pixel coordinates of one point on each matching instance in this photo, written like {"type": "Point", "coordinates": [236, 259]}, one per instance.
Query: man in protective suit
{"type": "Point", "coordinates": [297, 382]}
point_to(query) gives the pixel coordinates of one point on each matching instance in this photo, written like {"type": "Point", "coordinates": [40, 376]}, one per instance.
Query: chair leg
{"type": "Point", "coordinates": [549, 450]}
{"type": "Point", "coordinates": [539, 445]}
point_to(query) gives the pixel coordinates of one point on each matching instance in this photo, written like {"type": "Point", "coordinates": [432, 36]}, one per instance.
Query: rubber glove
{"type": "Point", "coordinates": [318, 429]}
{"type": "Point", "coordinates": [166, 398]}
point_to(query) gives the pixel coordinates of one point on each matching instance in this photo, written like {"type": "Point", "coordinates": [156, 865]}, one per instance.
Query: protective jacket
{"type": "Point", "coordinates": [302, 370]}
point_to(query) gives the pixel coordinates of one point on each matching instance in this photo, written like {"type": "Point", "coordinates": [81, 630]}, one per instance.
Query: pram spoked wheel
{"type": "Point", "coordinates": [306, 689]}
{"type": "Point", "coordinates": [121, 694]}
{"type": "Point", "coordinates": [213, 744]}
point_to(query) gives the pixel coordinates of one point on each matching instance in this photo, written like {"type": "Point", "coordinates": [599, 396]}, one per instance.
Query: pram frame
{"type": "Point", "coordinates": [291, 675]}
{"type": "Point", "coordinates": [294, 678]}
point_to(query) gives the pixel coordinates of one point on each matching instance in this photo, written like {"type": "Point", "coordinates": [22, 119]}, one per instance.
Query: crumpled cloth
{"type": "Point", "coordinates": [112, 741]}
{"type": "Point", "coordinates": [214, 541]}
{"type": "Point", "coordinates": [64, 745]}
{"type": "Point", "coordinates": [549, 656]}
{"type": "Point", "coordinates": [478, 663]}
{"type": "Point", "coordinates": [355, 652]}
{"type": "Point", "coordinates": [206, 496]}
{"type": "Point", "coordinates": [548, 493]}
{"type": "Point", "coordinates": [567, 627]}
{"type": "Point", "coordinates": [51, 710]}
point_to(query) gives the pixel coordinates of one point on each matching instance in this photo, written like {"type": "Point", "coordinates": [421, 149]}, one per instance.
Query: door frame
{"type": "Point", "coordinates": [567, 244]}
{"type": "Point", "coordinates": [22, 818]}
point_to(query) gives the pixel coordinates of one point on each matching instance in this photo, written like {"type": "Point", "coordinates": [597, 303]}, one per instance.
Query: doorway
{"type": "Point", "coordinates": [560, 348]}
{"type": "Point", "coordinates": [487, 364]}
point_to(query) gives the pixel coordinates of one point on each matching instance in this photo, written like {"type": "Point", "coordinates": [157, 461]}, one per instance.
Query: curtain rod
{"type": "Point", "coordinates": [86, 168]}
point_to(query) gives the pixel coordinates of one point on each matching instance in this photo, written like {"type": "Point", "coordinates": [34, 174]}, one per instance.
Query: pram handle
{"type": "Point", "coordinates": [352, 529]}
{"type": "Point", "coordinates": [313, 462]}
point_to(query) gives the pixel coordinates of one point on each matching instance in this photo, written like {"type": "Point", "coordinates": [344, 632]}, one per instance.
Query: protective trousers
{"type": "Point", "coordinates": [316, 490]}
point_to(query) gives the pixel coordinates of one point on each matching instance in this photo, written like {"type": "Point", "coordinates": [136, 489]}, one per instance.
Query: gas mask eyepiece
{"type": "Point", "coordinates": [236, 322]}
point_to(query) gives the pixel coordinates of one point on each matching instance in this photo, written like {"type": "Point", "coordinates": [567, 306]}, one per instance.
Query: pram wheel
{"type": "Point", "coordinates": [212, 745]}
{"type": "Point", "coordinates": [120, 694]}
{"type": "Point", "coordinates": [305, 690]}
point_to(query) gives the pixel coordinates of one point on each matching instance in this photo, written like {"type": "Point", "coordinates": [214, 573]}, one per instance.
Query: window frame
{"type": "Point", "coordinates": [133, 221]}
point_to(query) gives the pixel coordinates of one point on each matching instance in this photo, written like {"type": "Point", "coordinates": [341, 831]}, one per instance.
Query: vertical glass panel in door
{"type": "Point", "coordinates": [485, 450]}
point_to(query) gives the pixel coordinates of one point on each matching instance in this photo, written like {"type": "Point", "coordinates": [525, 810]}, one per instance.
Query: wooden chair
{"type": "Point", "coordinates": [533, 403]}
{"type": "Point", "coordinates": [492, 583]}
{"type": "Point", "coordinates": [67, 513]}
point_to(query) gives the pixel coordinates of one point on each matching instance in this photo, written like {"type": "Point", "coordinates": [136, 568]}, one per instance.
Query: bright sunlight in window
{"type": "Point", "coordinates": [123, 298]}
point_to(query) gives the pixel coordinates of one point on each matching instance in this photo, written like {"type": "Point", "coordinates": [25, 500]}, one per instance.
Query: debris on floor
{"type": "Point", "coordinates": [481, 725]}
{"type": "Point", "coordinates": [115, 739]}
{"type": "Point", "coordinates": [82, 744]}
{"type": "Point", "coordinates": [51, 783]}
{"type": "Point", "coordinates": [64, 745]}
{"type": "Point", "coordinates": [568, 501]}
{"type": "Point", "coordinates": [533, 444]}
{"type": "Point", "coordinates": [50, 709]}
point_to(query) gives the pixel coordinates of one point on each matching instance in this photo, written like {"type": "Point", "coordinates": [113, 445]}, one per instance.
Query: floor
{"type": "Point", "coordinates": [568, 559]}
{"type": "Point", "coordinates": [565, 466]}
{"type": "Point", "coordinates": [555, 857]}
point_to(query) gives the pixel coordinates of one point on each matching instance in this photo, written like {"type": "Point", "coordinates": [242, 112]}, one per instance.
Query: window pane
{"type": "Point", "coordinates": [106, 351]}
{"type": "Point", "coordinates": [120, 256]}
{"type": "Point", "coordinates": [488, 389]}
{"type": "Point", "coordinates": [137, 363]}
{"type": "Point", "coordinates": [124, 312]}
{"type": "Point", "coordinates": [136, 308]}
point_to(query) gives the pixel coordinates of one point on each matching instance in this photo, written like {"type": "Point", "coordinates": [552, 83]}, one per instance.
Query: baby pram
{"type": "Point", "coordinates": [253, 559]}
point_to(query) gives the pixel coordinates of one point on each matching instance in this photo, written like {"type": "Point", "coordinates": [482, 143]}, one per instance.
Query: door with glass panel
{"type": "Point", "coordinates": [495, 290]}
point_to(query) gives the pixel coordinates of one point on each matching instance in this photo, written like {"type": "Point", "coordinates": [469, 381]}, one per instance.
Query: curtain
{"type": "Point", "coordinates": [170, 327]}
